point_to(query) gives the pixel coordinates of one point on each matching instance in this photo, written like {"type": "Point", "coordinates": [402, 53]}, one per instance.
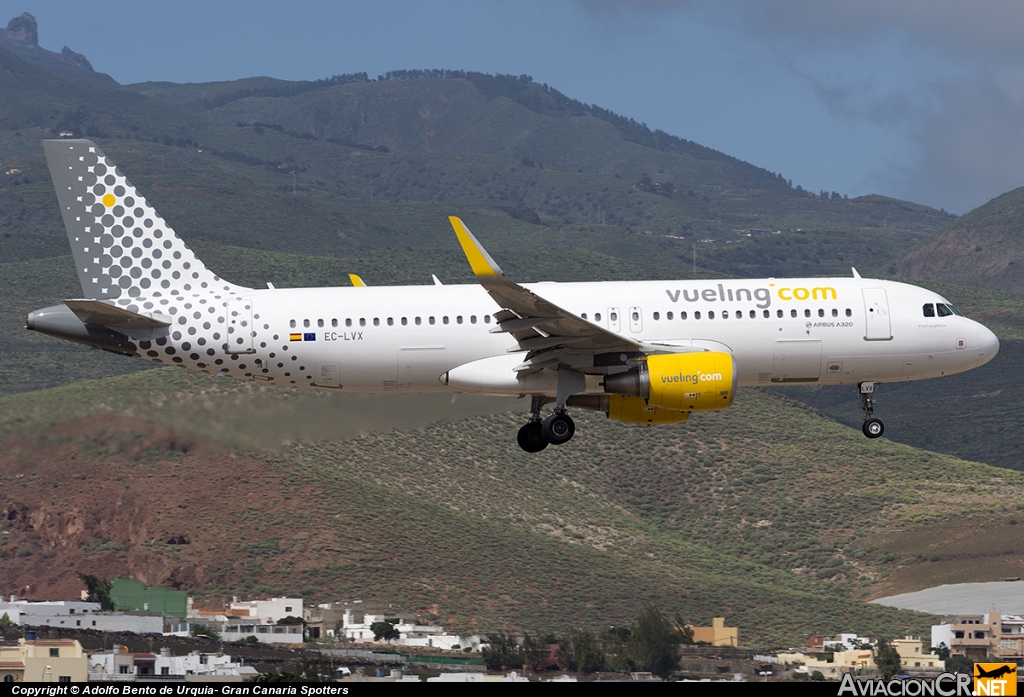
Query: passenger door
{"type": "Point", "coordinates": [239, 312]}
{"type": "Point", "coordinates": [876, 313]}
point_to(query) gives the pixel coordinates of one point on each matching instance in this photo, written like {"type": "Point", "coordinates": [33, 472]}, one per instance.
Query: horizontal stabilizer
{"type": "Point", "coordinates": [99, 312]}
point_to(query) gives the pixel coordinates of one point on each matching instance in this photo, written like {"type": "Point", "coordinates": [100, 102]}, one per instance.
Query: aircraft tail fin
{"type": "Point", "coordinates": [121, 245]}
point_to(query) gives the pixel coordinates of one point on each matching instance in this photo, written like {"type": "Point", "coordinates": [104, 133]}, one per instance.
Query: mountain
{"type": "Point", "coordinates": [21, 37]}
{"type": "Point", "coordinates": [984, 248]}
{"type": "Point", "coordinates": [767, 513]}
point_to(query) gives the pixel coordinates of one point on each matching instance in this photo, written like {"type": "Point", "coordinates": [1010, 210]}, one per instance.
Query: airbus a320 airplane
{"type": "Point", "coordinates": [645, 352]}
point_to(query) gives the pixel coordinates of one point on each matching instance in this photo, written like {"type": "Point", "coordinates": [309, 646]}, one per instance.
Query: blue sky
{"type": "Point", "coordinates": [916, 99]}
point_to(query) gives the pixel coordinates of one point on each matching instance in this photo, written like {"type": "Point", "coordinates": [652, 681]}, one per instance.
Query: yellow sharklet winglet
{"type": "Point", "coordinates": [479, 260]}
{"type": "Point", "coordinates": [356, 281]}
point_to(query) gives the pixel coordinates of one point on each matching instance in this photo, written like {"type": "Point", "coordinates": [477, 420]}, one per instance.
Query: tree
{"type": "Point", "coordinates": [202, 630]}
{"type": "Point", "coordinates": [384, 630]}
{"type": "Point", "coordinates": [942, 651]}
{"type": "Point", "coordinates": [960, 664]}
{"type": "Point", "coordinates": [98, 591]}
{"type": "Point", "coordinates": [887, 658]}
{"type": "Point", "coordinates": [653, 643]}
{"type": "Point", "coordinates": [581, 652]}
{"type": "Point", "coordinates": [502, 651]}
{"type": "Point", "coordinates": [5, 621]}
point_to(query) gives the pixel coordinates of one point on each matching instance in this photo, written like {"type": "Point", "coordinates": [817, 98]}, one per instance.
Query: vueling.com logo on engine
{"type": "Point", "coordinates": [692, 379]}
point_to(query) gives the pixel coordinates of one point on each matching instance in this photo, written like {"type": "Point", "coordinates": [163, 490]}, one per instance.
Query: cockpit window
{"type": "Point", "coordinates": [929, 310]}
{"type": "Point", "coordinates": [943, 309]}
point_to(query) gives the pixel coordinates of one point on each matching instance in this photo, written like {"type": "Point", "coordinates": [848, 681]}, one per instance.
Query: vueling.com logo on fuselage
{"type": "Point", "coordinates": [763, 296]}
{"type": "Point", "coordinates": [694, 379]}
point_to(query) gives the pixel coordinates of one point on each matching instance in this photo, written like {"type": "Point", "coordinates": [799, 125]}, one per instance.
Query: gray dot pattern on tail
{"type": "Point", "coordinates": [135, 260]}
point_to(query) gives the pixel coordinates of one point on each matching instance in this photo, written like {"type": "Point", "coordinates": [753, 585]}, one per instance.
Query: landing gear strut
{"type": "Point", "coordinates": [537, 434]}
{"type": "Point", "coordinates": [531, 435]}
{"type": "Point", "coordinates": [872, 427]}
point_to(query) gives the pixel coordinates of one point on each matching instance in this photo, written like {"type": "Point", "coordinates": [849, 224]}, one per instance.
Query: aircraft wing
{"type": "Point", "coordinates": [547, 332]}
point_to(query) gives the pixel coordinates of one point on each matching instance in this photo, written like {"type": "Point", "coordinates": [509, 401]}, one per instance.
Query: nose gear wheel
{"type": "Point", "coordinates": [872, 428]}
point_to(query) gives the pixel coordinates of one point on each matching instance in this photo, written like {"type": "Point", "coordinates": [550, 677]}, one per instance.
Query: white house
{"type": "Point", "coordinates": [273, 610]}
{"type": "Point", "coordinates": [15, 608]}
{"type": "Point", "coordinates": [119, 665]}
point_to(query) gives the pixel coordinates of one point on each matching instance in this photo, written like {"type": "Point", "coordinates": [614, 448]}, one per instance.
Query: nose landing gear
{"type": "Point", "coordinates": [537, 434]}
{"type": "Point", "coordinates": [872, 428]}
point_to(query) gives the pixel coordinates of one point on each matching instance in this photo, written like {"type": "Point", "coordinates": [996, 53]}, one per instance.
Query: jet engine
{"type": "Point", "coordinates": [683, 382]}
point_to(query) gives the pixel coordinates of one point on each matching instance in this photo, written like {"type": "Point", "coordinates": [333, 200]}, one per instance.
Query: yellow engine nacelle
{"type": "Point", "coordinates": [634, 410]}
{"type": "Point", "coordinates": [682, 382]}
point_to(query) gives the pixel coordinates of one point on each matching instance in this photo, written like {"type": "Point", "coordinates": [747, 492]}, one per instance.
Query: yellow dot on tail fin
{"type": "Point", "coordinates": [109, 200]}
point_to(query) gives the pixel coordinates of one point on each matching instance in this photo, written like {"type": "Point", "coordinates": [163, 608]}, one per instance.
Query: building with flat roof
{"type": "Point", "coordinates": [43, 660]}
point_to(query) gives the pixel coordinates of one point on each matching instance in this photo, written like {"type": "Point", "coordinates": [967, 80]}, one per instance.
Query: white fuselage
{"type": "Point", "coordinates": [781, 331]}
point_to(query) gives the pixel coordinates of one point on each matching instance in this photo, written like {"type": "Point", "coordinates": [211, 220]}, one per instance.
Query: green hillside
{"type": "Point", "coordinates": [741, 513]}
{"type": "Point", "coordinates": [983, 248]}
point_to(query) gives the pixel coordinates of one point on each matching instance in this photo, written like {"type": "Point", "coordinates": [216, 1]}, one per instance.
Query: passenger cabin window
{"type": "Point", "coordinates": [405, 321]}
{"type": "Point", "coordinates": [584, 315]}
{"type": "Point", "coordinates": [807, 313]}
{"type": "Point", "coordinates": [445, 319]}
{"type": "Point", "coordinates": [682, 315]}
{"type": "Point", "coordinates": [753, 314]}
{"type": "Point", "coordinates": [711, 314]}
{"type": "Point", "coordinates": [430, 320]}
{"type": "Point", "coordinates": [792, 313]}
{"type": "Point", "coordinates": [348, 322]}
{"type": "Point", "coordinates": [929, 310]}
{"type": "Point", "coordinates": [668, 316]}
{"type": "Point", "coordinates": [614, 316]}
{"type": "Point", "coordinates": [418, 321]}
{"type": "Point", "coordinates": [597, 316]}
{"type": "Point", "coordinates": [849, 312]}
{"type": "Point", "coordinates": [821, 313]}
{"type": "Point", "coordinates": [362, 321]}
{"type": "Point", "coordinates": [458, 319]}
{"type": "Point", "coordinates": [376, 321]}
{"type": "Point", "coordinates": [292, 324]}
{"type": "Point", "coordinates": [487, 319]}
{"type": "Point", "coordinates": [305, 323]}
{"type": "Point", "coordinates": [725, 314]}
{"type": "Point", "coordinates": [319, 323]}
{"type": "Point", "coordinates": [835, 312]}
{"type": "Point", "coordinates": [334, 323]}
{"type": "Point", "coordinates": [472, 319]}
{"type": "Point", "coordinates": [656, 315]}
{"type": "Point", "coordinates": [696, 315]}
{"type": "Point", "coordinates": [391, 321]}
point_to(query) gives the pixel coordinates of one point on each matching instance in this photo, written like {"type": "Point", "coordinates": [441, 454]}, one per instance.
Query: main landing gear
{"type": "Point", "coordinates": [537, 434]}
{"type": "Point", "coordinates": [872, 427]}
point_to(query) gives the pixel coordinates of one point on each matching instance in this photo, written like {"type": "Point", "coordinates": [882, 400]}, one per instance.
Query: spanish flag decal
{"type": "Point", "coordinates": [295, 337]}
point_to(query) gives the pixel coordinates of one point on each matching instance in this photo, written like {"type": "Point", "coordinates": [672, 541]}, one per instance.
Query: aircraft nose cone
{"type": "Point", "coordinates": [988, 345]}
